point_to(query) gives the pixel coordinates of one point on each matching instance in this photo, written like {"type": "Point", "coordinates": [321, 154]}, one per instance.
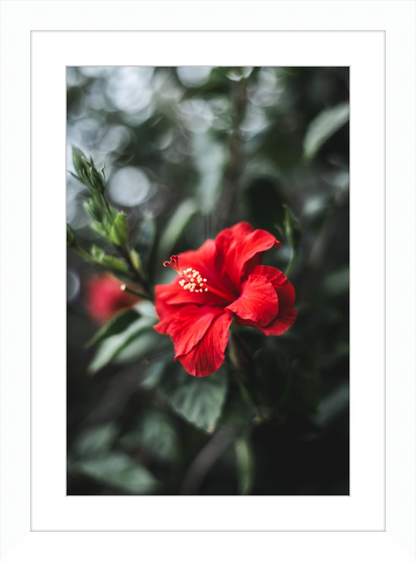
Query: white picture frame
{"type": "Point", "coordinates": [38, 521]}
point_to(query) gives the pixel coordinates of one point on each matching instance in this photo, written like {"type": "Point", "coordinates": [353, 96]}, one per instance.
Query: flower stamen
{"type": "Point", "coordinates": [191, 280]}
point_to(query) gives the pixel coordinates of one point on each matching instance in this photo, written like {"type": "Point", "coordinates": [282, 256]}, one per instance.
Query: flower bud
{"type": "Point", "coordinates": [104, 298]}
{"type": "Point", "coordinates": [92, 207]}
{"type": "Point", "coordinates": [87, 172]}
{"type": "Point", "coordinates": [95, 178]}
{"type": "Point", "coordinates": [78, 160]}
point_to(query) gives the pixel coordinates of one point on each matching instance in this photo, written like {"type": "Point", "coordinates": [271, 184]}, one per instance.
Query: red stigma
{"type": "Point", "coordinates": [173, 263]}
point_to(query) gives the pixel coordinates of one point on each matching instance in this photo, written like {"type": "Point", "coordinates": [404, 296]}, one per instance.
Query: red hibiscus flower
{"type": "Point", "coordinates": [104, 298]}
{"type": "Point", "coordinates": [220, 281]}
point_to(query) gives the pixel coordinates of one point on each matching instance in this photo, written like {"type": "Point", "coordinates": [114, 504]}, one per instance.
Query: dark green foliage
{"type": "Point", "coordinates": [199, 401]}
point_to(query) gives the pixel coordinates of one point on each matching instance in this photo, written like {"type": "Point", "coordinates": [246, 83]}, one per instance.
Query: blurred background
{"type": "Point", "coordinates": [189, 151]}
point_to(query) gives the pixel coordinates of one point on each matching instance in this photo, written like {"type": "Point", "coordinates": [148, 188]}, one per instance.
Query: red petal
{"type": "Point", "coordinates": [286, 295]}
{"type": "Point", "coordinates": [257, 302]}
{"type": "Point", "coordinates": [167, 296]}
{"type": "Point", "coordinates": [285, 319]}
{"type": "Point", "coordinates": [188, 326]}
{"type": "Point", "coordinates": [162, 294]}
{"type": "Point", "coordinates": [277, 279]}
{"type": "Point", "coordinates": [171, 298]}
{"type": "Point", "coordinates": [208, 355]}
{"type": "Point", "coordinates": [163, 327]}
{"type": "Point", "coordinates": [201, 259]}
{"type": "Point", "coordinates": [239, 246]}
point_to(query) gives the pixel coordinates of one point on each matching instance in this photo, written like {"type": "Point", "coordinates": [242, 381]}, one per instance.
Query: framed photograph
{"type": "Point", "coordinates": [210, 174]}
{"type": "Point", "coordinates": [200, 223]}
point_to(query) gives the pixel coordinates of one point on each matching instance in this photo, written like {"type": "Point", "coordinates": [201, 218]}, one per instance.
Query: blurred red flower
{"type": "Point", "coordinates": [221, 280]}
{"type": "Point", "coordinates": [104, 298]}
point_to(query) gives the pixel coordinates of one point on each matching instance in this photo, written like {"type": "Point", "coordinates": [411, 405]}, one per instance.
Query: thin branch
{"type": "Point", "coordinates": [206, 459]}
{"type": "Point", "coordinates": [235, 162]}
{"type": "Point", "coordinates": [133, 292]}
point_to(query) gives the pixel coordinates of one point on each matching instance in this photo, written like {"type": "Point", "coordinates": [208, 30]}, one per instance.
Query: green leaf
{"type": "Point", "coordinates": [147, 308]}
{"type": "Point", "coordinates": [176, 227]}
{"type": "Point", "coordinates": [338, 282]}
{"type": "Point", "coordinates": [153, 374]}
{"type": "Point", "coordinates": [109, 262]}
{"type": "Point", "coordinates": [120, 230]}
{"type": "Point", "coordinates": [76, 177]}
{"type": "Point", "coordinates": [87, 172]}
{"type": "Point", "coordinates": [291, 228]}
{"type": "Point", "coordinates": [198, 400]}
{"type": "Point", "coordinates": [93, 208]}
{"type": "Point", "coordinates": [95, 180]}
{"type": "Point", "coordinates": [333, 406]}
{"type": "Point", "coordinates": [245, 464]}
{"type": "Point", "coordinates": [210, 159]}
{"type": "Point", "coordinates": [97, 253]}
{"type": "Point", "coordinates": [264, 202]}
{"type": "Point", "coordinates": [78, 161]}
{"type": "Point", "coordinates": [145, 239]}
{"type": "Point", "coordinates": [113, 345]}
{"type": "Point", "coordinates": [323, 127]}
{"type": "Point", "coordinates": [148, 344]}
{"type": "Point", "coordinates": [96, 440]}
{"type": "Point", "coordinates": [156, 436]}
{"type": "Point", "coordinates": [137, 262]}
{"type": "Point", "coordinates": [114, 264]}
{"type": "Point", "coordinates": [118, 471]}
{"type": "Point", "coordinates": [100, 229]}
{"type": "Point", "coordinates": [70, 236]}
{"type": "Point", "coordinates": [292, 234]}
{"type": "Point", "coordinates": [115, 325]}
{"type": "Point", "coordinates": [301, 393]}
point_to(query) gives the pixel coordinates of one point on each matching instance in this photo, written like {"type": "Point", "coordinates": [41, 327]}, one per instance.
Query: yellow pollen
{"type": "Point", "coordinates": [191, 280]}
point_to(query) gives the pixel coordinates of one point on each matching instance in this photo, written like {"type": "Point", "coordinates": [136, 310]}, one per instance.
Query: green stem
{"type": "Point", "coordinates": [81, 252]}
{"type": "Point", "coordinates": [133, 292]}
{"type": "Point", "coordinates": [108, 209]}
{"type": "Point", "coordinates": [138, 276]}
{"type": "Point", "coordinates": [253, 398]}
{"type": "Point", "coordinates": [234, 166]}
{"type": "Point", "coordinates": [291, 263]}
{"type": "Point", "coordinates": [245, 392]}
{"type": "Point", "coordinates": [125, 253]}
{"type": "Point", "coordinates": [243, 371]}
{"type": "Point", "coordinates": [244, 462]}
{"type": "Point", "coordinates": [86, 256]}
